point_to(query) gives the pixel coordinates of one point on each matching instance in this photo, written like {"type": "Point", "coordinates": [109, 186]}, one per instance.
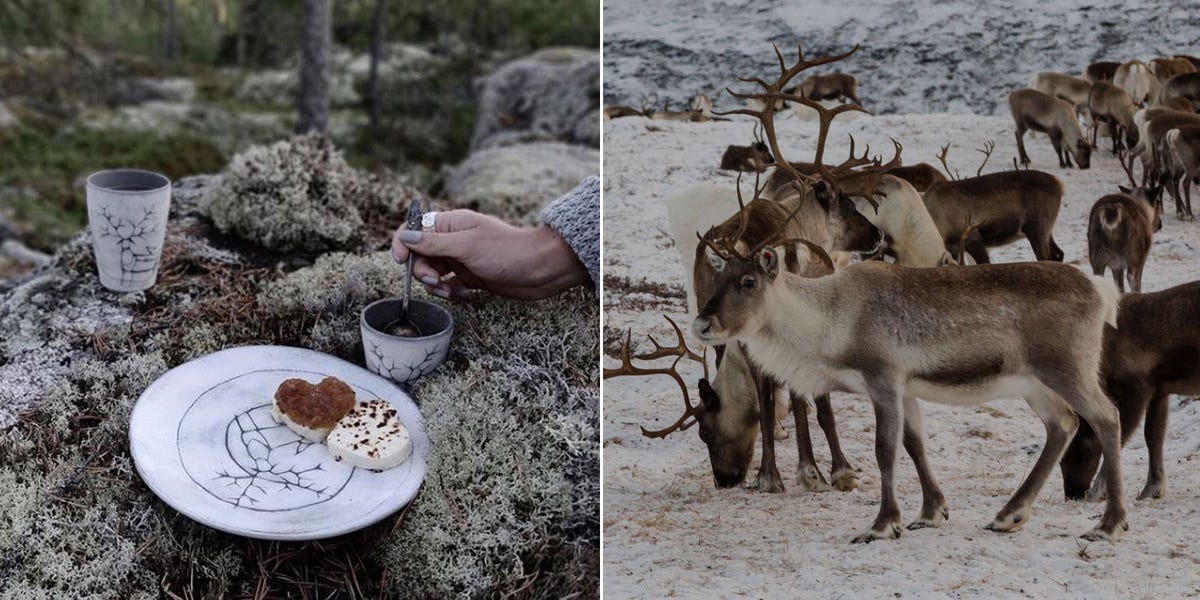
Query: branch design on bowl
{"type": "Point", "coordinates": [408, 371]}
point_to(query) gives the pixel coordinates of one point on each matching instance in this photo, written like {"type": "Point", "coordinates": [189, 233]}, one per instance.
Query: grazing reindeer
{"type": "Point", "coordinates": [1186, 86]}
{"type": "Point", "coordinates": [1166, 68]}
{"type": "Point", "coordinates": [1183, 144]}
{"type": "Point", "coordinates": [1033, 110]}
{"type": "Point", "coordinates": [700, 111]}
{"type": "Point", "coordinates": [1153, 352]}
{"type": "Point", "coordinates": [1160, 164]}
{"type": "Point", "coordinates": [1060, 85]}
{"type": "Point", "coordinates": [897, 333]}
{"type": "Point", "coordinates": [1101, 71]}
{"type": "Point", "coordinates": [1178, 103]}
{"type": "Point", "coordinates": [1002, 207]}
{"type": "Point", "coordinates": [755, 157]}
{"type": "Point", "coordinates": [838, 86]}
{"type": "Point", "coordinates": [1192, 59]}
{"type": "Point", "coordinates": [1111, 104]}
{"type": "Point", "coordinates": [1121, 228]}
{"type": "Point", "coordinates": [920, 175]}
{"type": "Point", "coordinates": [616, 112]}
{"type": "Point", "coordinates": [1136, 79]}
{"type": "Point", "coordinates": [1147, 147]}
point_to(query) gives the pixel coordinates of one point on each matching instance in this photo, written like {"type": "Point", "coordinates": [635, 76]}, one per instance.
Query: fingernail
{"type": "Point", "coordinates": [441, 293]}
{"type": "Point", "coordinates": [409, 236]}
{"type": "Point", "coordinates": [430, 280]}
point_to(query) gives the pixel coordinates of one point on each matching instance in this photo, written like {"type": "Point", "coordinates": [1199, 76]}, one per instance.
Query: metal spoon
{"type": "Point", "coordinates": [404, 325]}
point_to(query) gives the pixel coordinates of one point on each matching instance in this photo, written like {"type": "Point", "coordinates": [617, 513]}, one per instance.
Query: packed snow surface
{"type": "Point", "coordinates": [916, 56]}
{"type": "Point", "coordinates": [668, 532]}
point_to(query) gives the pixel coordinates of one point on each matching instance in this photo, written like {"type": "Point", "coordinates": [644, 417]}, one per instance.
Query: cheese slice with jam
{"type": "Point", "coordinates": [371, 436]}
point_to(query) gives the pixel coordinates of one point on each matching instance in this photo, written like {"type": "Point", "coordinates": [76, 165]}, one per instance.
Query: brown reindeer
{"type": "Point", "coordinates": [1135, 78]}
{"type": "Point", "coordinates": [1186, 86]}
{"type": "Point", "coordinates": [1183, 145]}
{"type": "Point", "coordinates": [1033, 110]}
{"type": "Point", "coordinates": [921, 175]}
{"type": "Point", "coordinates": [1112, 105]}
{"type": "Point", "coordinates": [1101, 71]}
{"type": "Point", "coordinates": [1178, 103]}
{"type": "Point", "coordinates": [837, 86]}
{"type": "Point", "coordinates": [1121, 228]}
{"type": "Point", "coordinates": [616, 112]}
{"type": "Point", "coordinates": [1002, 207]}
{"type": "Point", "coordinates": [1061, 85]}
{"type": "Point", "coordinates": [1166, 68]}
{"type": "Point", "coordinates": [1153, 352]}
{"type": "Point", "coordinates": [755, 157]}
{"type": "Point", "coordinates": [899, 333]}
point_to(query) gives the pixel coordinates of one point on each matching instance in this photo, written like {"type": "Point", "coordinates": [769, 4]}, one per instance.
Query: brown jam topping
{"type": "Point", "coordinates": [316, 406]}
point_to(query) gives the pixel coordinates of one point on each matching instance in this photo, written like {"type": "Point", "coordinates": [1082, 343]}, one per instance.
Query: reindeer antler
{"type": "Point", "coordinates": [1122, 154]}
{"type": "Point", "coordinates": [942, 157]}
{"type": "Point", "coordinates": [987, 148]}
{"type": "Point", "coordinates": [962, 238]}
{"type": "Point", "coordinates": [680, 351]}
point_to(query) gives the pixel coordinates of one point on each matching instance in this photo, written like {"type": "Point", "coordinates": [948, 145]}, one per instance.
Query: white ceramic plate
{"type": "Point", "coordinates": [203, 439]}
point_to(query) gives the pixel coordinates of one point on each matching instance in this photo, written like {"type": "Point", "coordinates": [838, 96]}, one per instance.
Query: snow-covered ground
{"type": "Point", "coordinates": [669, 533]}
{"type": "Point", "coordinates": [917, 56]}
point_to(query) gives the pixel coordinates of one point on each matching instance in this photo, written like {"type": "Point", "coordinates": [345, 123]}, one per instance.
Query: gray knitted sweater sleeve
{"type": "Point", "coordinates": [576, 217]}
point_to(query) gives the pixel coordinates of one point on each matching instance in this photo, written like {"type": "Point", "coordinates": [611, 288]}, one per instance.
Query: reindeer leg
{"type": "Point", "coordinates": [809, 476]}
{"type": "Point", "coordinates": [889, 423]}
{"type": "Point", "coordinates": [1056, 253]}
{"type": "Point", "coordinates": [977, 249]}
{"type": "Point", "coordinates": [1089, 401]}
{"type": "Point", "coordinates": [1119, 277]}
{"type": "Point", "coordinates": [1187, 190]}
{"type": "Point", "coordinates": [781, 413]}
{"type": "Point", "coordinates": [933, 503]}
{"type": "Point", "coordinates": [768, 473]}
{"type": "Point", "coordinates": [1021, 146]}
{"type": "Point", "coordinates": [1060, 425]}
{"type": "Point", "coordinates": [843, 475]}
{"type": "Point", "coordinates": [1156, 432]}
{"type": "Point", "coordinates": [1135, 275]}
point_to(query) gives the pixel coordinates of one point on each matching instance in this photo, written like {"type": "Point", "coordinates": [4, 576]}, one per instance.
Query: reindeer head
{"type": "Point", "coordinates": [1150, 197]}
{"type": "Point", "coordinates": [727, 427]}
{"type": "Point", "coordinates": [1083, 153]}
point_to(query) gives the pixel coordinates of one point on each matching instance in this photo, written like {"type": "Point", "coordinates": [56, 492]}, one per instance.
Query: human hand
{"type": "Point", "coordinates": [468, 251]}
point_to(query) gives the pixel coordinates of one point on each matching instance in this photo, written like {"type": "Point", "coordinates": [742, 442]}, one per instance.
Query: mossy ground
{"type": "Point", "coordinates": [510, 505]}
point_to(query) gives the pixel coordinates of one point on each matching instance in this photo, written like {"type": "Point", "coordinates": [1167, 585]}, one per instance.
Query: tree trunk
{"type": "Point", "coordinates": [170, 32]}
{"type": "Point", "coordinates": [314, 67]}
{"type": "Point", "coordinates": [374, 108]}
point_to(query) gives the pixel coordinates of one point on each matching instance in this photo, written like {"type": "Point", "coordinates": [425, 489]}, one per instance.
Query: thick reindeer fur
{"type": "Point", "coordinates": [1153, 352]}
{"type": "Point", "coordinates": [1166, 68]}
{"type": "Point", "coordinates": [1000, 208]}
{"type": "Point", "coordinates": [1186, 85]}
{"type": "Point", "coordinates": [1061, 85]}
{"type": "Point", "coordinates": [920, 175]}
{"type": "Point", "coordinates": [1101, 71]}
{"type": "Point", "coordinates": [911, 234]}
{"type": "Point", "coordinates": [1111, 104]}
{"type": "Point", "coordinates": [1183, 144]}
{"type": "Point", "coordinates": [1136, 79]}
{"type": "Point", "coordinates": [1120, 231]}
{"type": "Point", "coordinates": [954, 335]}
{"type": "Point", "coordinates": [1034, 111]}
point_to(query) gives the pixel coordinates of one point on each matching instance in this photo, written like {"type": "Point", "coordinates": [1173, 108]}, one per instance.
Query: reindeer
{"type": "Point", "coordinates": [1186, 86]}
{"type": "Point", "coordinates": [700, 111]}
{"type": "Point", "coordinates": [1112, 105]}
{"type": "Point", "coordinates": [1121, 228]}
{"type": "Point", "coordinates": [1166, 68]}
{"type": "Point", "coordinates": [1000, 208]}
{"type": "Point", "coordinates": [1183, 145]}
{"type": "Point", "coordinates": [920, 175]}
{"type": "Point", "coordinates": [896, 333]}
{"type": "Point", "coordinates": [1153, 352]}
{"type": "Point", "coordinates": [1159, 162]}
{"type": "Point", "coordinates": [837, 86]}
{"type": "Point", "coordinates": [1033, 110]}
{"type": "Point", "coordinates": [755, 157]}
{"type": "Point", "coordinates": [1178, 103]}
{"type": "Point", "coordinates": [1192, 59]}
{"type": "Point", "coordinates": [1146, 149]}
{"type": "Point", "coordinates": [1135, 78]}
{"type": "Point", "coordinates": [616, 112]}
{"type": "Point", "coordinates": [1060, 85]}
{"type": "Point", "coordinates": [1101, 71]}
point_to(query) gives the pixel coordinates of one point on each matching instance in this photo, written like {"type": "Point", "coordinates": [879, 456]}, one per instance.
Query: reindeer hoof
{"type": "Point", "coordinates": [939, 516]}
{"type": "Point", "coordinates": [1153, 491]}
{"type": "Point", "coordinates": [769, 483]}
{"type": "Point", "coordinates": [1109, 532]}
{"type": "Point", "coordinates": [810, 479]}
{"type": "Point", "coordinates": [1010, 522]}
{"type": "Point", "coordinates": [889, 532]}
{"type": "Point", "coordinates": [844, 480]}
{"type": "Point", "coordinates": [1098, 492]}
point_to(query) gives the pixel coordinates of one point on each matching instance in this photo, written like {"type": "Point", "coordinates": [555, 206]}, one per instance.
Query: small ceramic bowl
{"type": "Point", "coordinates": [403, 359]}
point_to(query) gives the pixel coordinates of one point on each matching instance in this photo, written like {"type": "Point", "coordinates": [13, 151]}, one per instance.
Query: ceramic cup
{"type": "Point", "coordinates": [404, 359]}
{"type": "Point", "coordinates": [127, 213]}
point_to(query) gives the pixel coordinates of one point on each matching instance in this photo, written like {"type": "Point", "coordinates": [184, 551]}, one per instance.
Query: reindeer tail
{"type": "Point", "coordinates": [1111, 216]}
{"type": "Point", "coordinates": [1109, 298]}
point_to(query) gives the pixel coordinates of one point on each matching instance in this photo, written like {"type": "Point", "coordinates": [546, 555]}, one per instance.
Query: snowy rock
{"type": "Point", "coordinates": [514, 182]}
{"type": "Point", "coordinates": [543, 97]}
{"type": "Point", "coordinates": [7, 118]}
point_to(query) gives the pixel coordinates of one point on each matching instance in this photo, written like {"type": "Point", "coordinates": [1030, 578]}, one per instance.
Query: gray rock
{"type": "Point", "coordinates": [542, 97]}
{"type": "Point", "coordinates": [514, 182]}
{"type": "Point", "coordinates": [7, 118]}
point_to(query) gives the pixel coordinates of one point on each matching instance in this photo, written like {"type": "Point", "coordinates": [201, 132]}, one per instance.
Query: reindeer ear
{"type": "Point", "coordinates": [1125, 190]}
{"type": "Point", "coordinates": [768, 260]}
{"type": "Point", "coordinates": [709, 399]}
{"type": "Point", "coordinates": [822, 192]}
{"type": "Point", "coordinates": [714, 259]}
